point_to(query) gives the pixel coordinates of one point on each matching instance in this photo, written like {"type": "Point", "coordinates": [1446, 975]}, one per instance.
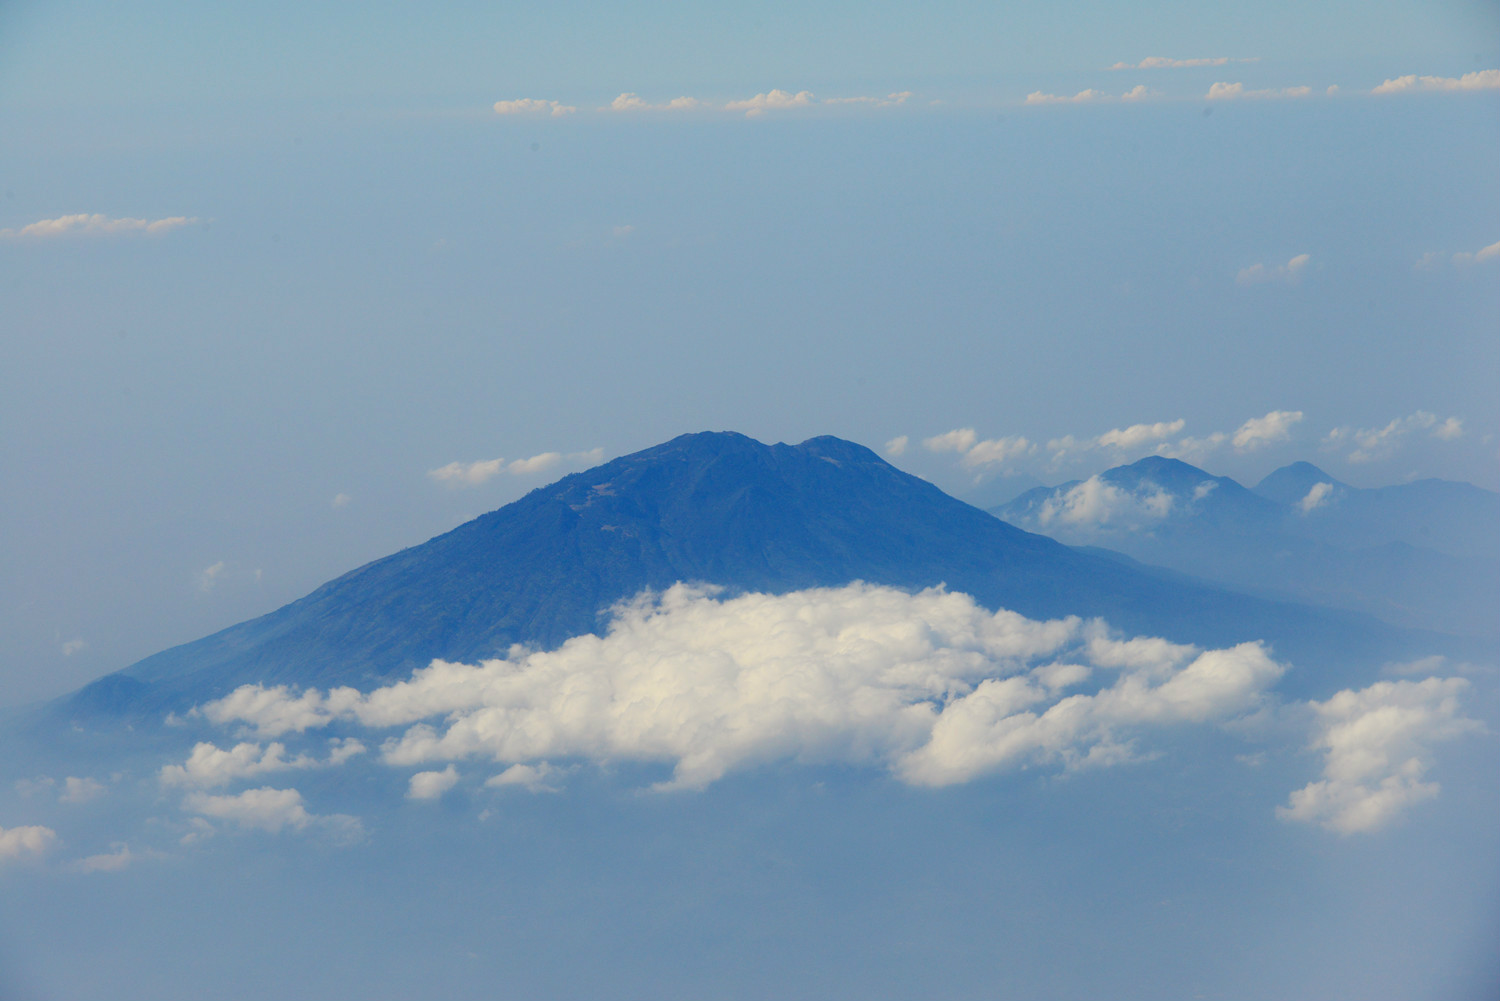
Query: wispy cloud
{"type": "Point", "coordinates": [1316, 497]}
{"type": "Point", "coordinates": [114, 860]}
{"type": "Point", "coordinates": [469, 474]}
{"type": "Point", "coordinates": [96, 225]}
{"type": "Point", "coordinates": [533, 106]}
{"type": "Point", "coordinates": [1164, 63]}
{"type": "Point", "coordinates": [1372, 444]}
{"type": "Point", "coordinates": [1237, 91]}
{"type": "Point", "coordinates": [270, 810]}
{"type": "Point", "coordinates": [1137, 93]}
{"type": "Point", "coordinates": [75, 645]}
{"type": "Point", "coordinates": [896, 447]}
{"type": "Point", "coordinates": [1258, 432]}
{"type": "Point", "coordinates": [1289, 273]}
{"type": "Point", "coordinates": [888, 101]}
{"type": "Point", "coordinates": [1376, 744]}
{"type": "Point", "coordinates": [211, 575]}
{"type": "Point", "coordinates": [1490, 253]}
{"type": "Point", "coordinates": [976, 454]}
{"type": "Point", "coordinates": [1119, 439]}
{"type": "Point", "coordinates": [1478, 80]}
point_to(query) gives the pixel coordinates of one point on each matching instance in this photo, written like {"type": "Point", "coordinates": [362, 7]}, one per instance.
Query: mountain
{"type": "Point", "coordinates": [1417, 555]}
{"type": "Point", "coordinates": [719, 508]}
{"type": "Point", "coordinates": [1458, 519]}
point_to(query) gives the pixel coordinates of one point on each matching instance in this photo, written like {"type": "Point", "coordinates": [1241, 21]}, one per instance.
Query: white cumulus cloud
{"type": "Point", "coordinates": [1478, 80]}
{"type": "Point", "coordinates": [114, 860]}
{"type": "Point", "coordinates": [1096, 504]}
{"type": "Point", "coordinates": [1316, 497]}
{"type": "Point", "coordinates": [977, 454]}
{"type": "Point", "coordinates": [80, 790]}
{"type": "Point", "coordinates": [19, 842]}
{"type": "Point", "coordinates": [270, 810]}
{"type": "Point", "coordinates": [432, 785]}
{"type": "Point", "coordinates": [775, 100]}
{"type": "Point", "coordinates": [1376, 743]}
{"type": "Point", "coordinates": [533, 778]}
{"type": "Point", "coordinates": [1289, 273]}
{"type": "Point", "coordinates": [532, 106]}
{"type": "Point", "coordinates": [209, 766]}
{"type": "Point", "coordinates": [930, 686]}
{"type": "Point", "coordinates": [84, 224]}
{"type": "Point", "coordinates": [1258, 432]}
{"type": "Point", "coordinates": [896, 447]}
{"type": "Point", "coordinates": [634, 102]}
{"type": "Point", "coordinates": [210, 575]}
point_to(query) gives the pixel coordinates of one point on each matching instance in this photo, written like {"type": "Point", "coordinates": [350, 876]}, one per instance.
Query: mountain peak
{"type": "Point", "coordinates": [1290, 484]}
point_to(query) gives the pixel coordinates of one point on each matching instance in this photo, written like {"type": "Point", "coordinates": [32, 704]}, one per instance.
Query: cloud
{"type": "Point", "coordinates": [270, 810]}
{"type": "Point", "coordinates": [775, 100]}
{"type": "Point", "coordinates": [1478, 80]}
{"type": "Point", "coordinates": [76, 790]}
{"type": "Point", "coordinates": [1372, 444]}
{"type": "Point", "coordinates": [340, 500]}
{"type": "Point", "coordinates": [930, 686]}
{"type": "Point", "coordinates": [1120, 439]}
{"type": "Point", "coordinates": [76, 645]}
{"type": "Point", "coordinates": [1290, 272]}
{"type": "Point", "coordinates": [888, 101]}
{"type": "Point", "coordinates": [1376, 751]}
{"type": "Point", "coordinates": [977, 454]}
{"type": "Point", "coordinates": [96, 225]}
{"type": "Point", "coordinates": [1258, 432]}
{"type": "Point", "coordinates": [633, 102]}
{"type": "Point", "coordinates": [1162, 62]}
{"type": "Point", "coordinates": [1139, 434]}
{"type": "Point", "coordinates": [1237, 91]}
{"type": "Point", "coordinates": [209, 576]}
{"type": "Point", "coordinates": [432, 785]}
{"type": "Point", "coordinates": [1490, 253]}
{"type": "Point", "coordinates": [114, 861]}
{"type": "Point", "coordinates": [532, 778]}
{"type": "Point", "coordinates": [1095, 504]}
{"type": "Point", "coordinates": [957, 440]}
{"type": "Point", "coordinates": [896, 447]}
{"type": "Point", "coordinates": [532, 106]}
{"type": "Point", "coordinates": [1137, 93]}
{"type": "Point", "coordinates": [19, 842]}
{"type": "Point", "coordinates": [209, 766]}
{"type": "Point", "coordinates": [470, 474]}
{"type": "Point", "coordinates": [1316, 497]}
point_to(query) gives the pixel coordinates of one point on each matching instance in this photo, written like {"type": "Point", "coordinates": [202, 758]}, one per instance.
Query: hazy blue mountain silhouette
{"type": "Point", "coordinates": [1458, 519]}
{"type": "Point", "coordinates": [1418, 555]}
{"type": "Point", "coordinates": [713, 507]}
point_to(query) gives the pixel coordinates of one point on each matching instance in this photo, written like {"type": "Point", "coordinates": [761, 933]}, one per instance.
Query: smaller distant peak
{"type": "Point", "coordinates": [1290, 484]}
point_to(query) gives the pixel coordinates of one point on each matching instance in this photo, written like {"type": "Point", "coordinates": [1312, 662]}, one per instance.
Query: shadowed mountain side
{"type": "Point", "coordinates": [718, 508]}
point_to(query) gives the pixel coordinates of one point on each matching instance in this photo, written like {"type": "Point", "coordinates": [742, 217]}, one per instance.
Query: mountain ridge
{"type": "Point", "coordinates": [712, 507]}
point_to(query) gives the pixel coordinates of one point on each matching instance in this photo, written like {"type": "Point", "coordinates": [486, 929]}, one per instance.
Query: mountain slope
{"type": "Point", "coordinates": [715, 507]}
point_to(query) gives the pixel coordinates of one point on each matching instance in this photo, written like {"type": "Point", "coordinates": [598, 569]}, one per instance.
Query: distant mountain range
{"type": "Point", "coordinates": [724, 509]}
{"type": "Point", "coordinates": [1423, 554]}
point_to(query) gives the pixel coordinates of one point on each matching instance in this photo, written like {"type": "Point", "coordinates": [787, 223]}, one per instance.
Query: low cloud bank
{"type": "Point", "coordinates": [930, 686]}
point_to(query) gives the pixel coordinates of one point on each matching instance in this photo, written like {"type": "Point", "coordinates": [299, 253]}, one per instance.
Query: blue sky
{"type": "Point", "coordinates": [360, 272]}
{"type": "Point", "coordinates": [285, 287]}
